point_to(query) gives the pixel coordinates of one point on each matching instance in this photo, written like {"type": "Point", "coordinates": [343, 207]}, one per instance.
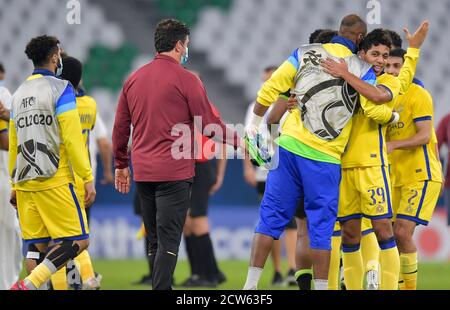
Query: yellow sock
{"type": "Point", "coordinates": [370, 251]}
{"type": "Point", "coordinates": [409, 271]}
{"type": "Point", "coordinates": [333, 274]}
{"type": "Point", "coordinates": [401, 282]}
{"type": "Point", "coordinates": [85, 263]}
{"type": "Point", "coordinates": [390, 266]}
{"type": "Point", "coordinates": [59, 280]}
{"type": "Point", "coordinates": [353, 267]}
{"type": "Point", "coordinates": [39, 275]}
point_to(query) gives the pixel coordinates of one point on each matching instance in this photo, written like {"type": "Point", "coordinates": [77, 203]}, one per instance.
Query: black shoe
{"type": "Point", "coordinates": [188, 282]}
{"type": "Point", "coordinates": [198, 282]}
{"type": "Point", "coordinates": [146, 280]}
{"type": "Point", "coordinates": [290, 278]}
{"type": "Point", "coordinates": [277, 279]}
{"type": "Point", "coordinates": [221, 278]}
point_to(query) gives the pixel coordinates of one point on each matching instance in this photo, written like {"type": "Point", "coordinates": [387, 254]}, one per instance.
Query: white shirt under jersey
{"type": "Point", "coordinates": [99, 132]}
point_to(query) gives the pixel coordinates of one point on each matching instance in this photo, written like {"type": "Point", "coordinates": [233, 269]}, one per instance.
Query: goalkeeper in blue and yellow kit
{"type": "Point", "coordinates": [311, 146]}
{"type": "Point", "coordinates": [46, 150]}
{"type": "Point", "coordinates": [416, 171]}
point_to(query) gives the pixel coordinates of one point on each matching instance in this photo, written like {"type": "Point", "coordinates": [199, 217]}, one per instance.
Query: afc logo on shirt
{"type": "Point", "coordinates": [28, 102]}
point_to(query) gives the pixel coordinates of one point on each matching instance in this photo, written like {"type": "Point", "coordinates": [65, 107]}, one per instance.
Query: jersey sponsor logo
{"type": "Point", "coordinates": [312, 56]}
{"type": "Point", "coordinates": [34, 120]}
{"type": "Point", "coordinates": [399, 125]}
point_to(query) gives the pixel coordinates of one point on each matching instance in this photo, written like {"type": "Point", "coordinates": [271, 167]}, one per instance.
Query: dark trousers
{"type": "Point", "coordinates": [164, 208]}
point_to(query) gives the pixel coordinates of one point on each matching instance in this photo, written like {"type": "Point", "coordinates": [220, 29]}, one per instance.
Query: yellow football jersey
{"type": "Point", "coordinates": [87, 109]}
{"type": "Point", "coordinates": [421, 163]}
{"type": "Point", "coordinates": [366, 147]}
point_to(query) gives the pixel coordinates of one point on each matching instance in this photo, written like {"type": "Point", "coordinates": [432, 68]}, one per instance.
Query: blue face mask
{"type": "Point", "coordinates": [185, 57]}
{"type": "Point", "coordinates": [2, 83]}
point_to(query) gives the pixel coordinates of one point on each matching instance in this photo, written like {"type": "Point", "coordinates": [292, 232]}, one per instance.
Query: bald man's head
{"type": "Point", "coordinates": [353, 28]}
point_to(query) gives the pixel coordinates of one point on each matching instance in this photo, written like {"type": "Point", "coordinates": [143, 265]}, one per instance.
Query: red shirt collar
{"type": "Point", "coordinates": [165, 57]}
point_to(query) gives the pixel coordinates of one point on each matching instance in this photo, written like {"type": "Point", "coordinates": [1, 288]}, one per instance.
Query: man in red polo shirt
{"type": "Point", "coordinates": [443, 136]}
{"type": "Point", "coordinates": [160, 101]}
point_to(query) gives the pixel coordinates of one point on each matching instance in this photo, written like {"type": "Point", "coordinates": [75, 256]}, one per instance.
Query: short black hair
{"type": "Point", "coordinates": [352, 23]}
{"type": "Point", "coordinates": [40, 49]}
{"type": "Point", "coordinates": [375, 38]}
{"type": "Point", "coordinates": [2, 68]}
{"type": "Point", "coordinates": [326, 36]}
{"type": "Point", "coordinates": [168, 33]}
{"type": "Point", "coordinates": [397, 41]}
{"type": "Point", "coordinates": [270, 68]}
{"type": "Point", "coordinates": [72, 70]}
{"type": "Point", "coordinates": [313, 37]}
{"type": "Point", "coordinates": [398, 52]}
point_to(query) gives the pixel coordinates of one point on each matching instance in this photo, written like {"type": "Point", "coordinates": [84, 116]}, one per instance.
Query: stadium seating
{"type": "Point", "coordinates": [96, 41]}
{"type": "Point", "coordinates": [21, 20]}
{"type": "Point", "coordinates": [257, 33]}
{"type": "Point", "coordinates": [239, 37]}
{"type": "Point", "coordinates": [187, 11]}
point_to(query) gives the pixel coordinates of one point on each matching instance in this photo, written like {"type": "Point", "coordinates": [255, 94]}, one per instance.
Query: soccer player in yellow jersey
{"type": "Point", "coordinates": [87, 109]}
{"type": "Point", "coordinates": [415, 168]}
{"type": "Point", "coordinates": [311, 146]}
{"type": "Point", "coordinates": [46, 145]}
{"type": "Point", "coordinates": [365, 188]}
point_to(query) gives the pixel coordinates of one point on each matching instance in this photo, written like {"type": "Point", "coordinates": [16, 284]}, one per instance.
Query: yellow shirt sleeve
{"type": "Point", "coordinates": [408, 71]}
{"type": "Point", "coordinates": [382, 114]}
{"type": "Point", "coordinates": [422, 106]}
{"type": "Point", "coordinates": [281, 81]}
{"type": "Point", "coordinates": [69, 123]}
{"type": "Point", "coordinates": [12, 148]}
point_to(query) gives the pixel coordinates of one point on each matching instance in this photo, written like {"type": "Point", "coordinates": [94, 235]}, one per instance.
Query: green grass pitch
{"type": "Point", "coordinates": [120, 274]}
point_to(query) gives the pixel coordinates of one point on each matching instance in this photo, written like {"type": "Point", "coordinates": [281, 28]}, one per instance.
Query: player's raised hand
{"type": "Point", "coordinates": [416, 40]}
{"type": "Point", "coordinates": [123, 180]}
{"type": "Point", "coordinates": [90, 194]}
